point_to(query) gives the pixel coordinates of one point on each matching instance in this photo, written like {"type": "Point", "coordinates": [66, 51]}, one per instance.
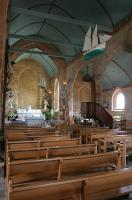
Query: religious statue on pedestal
{"type": "Point", "coordinates": [45, 100]}
{"type": "Point", "coordinates": [11, 99]}
{"type": "Point", "coordinates": [45, 104]}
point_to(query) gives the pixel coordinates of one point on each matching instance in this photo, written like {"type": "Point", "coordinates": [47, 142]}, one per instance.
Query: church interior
{"type": "Point", "coordinates": [65, 100]}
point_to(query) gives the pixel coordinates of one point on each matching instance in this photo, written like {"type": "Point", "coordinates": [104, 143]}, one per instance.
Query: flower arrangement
{"type": "Point", "coordinates": [11, 115]}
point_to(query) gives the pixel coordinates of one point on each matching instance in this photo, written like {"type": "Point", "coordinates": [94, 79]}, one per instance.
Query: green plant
{"type": "Point", "coordinates": [50, 114]}
{"type": "Point", "coordinates": [10, 115]}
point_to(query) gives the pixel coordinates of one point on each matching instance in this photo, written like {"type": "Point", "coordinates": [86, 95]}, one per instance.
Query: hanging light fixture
{"type": "Point", "coordinates": [87, 77]}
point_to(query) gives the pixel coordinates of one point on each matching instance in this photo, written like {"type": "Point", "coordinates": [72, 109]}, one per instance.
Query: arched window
{"type": "Point", "coordinates": [56, 95]}
{"type": "Point", "coordinates": [118, 100]}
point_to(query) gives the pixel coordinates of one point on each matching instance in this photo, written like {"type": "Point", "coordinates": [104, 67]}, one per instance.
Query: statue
{"type": "Point", "coordinates": [11, 99]}
{"type": "Point", "coordinates": [10, 103]}
{"type": "Point", "coordinates": [45, 105]}
{"type": "Point", "coordinates": [45, 102]}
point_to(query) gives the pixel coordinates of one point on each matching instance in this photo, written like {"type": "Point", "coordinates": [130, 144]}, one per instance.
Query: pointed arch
{"type": "Point", "coordinates": [118, 100]}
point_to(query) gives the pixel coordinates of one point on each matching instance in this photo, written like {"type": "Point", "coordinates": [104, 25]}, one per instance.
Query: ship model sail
{"type": "Point", "coordinates": [94, 44]}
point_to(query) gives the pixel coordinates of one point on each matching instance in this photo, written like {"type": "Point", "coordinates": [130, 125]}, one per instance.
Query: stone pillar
{"type": "Point", "coordinates": [70, 103]}
{"type": "Point", "coordinates": [3, 30]}
{"type": "Point", "coordinates": [98, 91]}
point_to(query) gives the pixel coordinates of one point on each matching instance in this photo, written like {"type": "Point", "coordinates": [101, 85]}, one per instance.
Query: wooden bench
{"type": "Point", "coordinates": [29, 131]}
{"type": "Point", "coordinates": [98, 187]}
{"type": "Point", "coordinates": [48, 152]}
{"type": "Point", "coordinates": [49, 137]}
{"type": "Point", "coordinates": [20, 135]}
{"type": "Point", "coordinates": [126, 145]}
{"type": "Point", "coordinates": [39, 137]}
{"type": "Point", "coordinates": [59, 168]}
{"type": "Point", "coordinates": [18, 145]}
{"type": "Point", "coordinates": [30, 128]}
{"type": "Point", "coordinates": [92, 137]}
{"type": "Point", "coordinates": [114, 142]}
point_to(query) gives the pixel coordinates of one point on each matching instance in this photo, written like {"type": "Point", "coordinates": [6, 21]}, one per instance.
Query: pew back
{"type": "Point", "coordinates": [58, 168]}
{"type": "Point", "coordinates": [20, 135]}
{"type": "Point", "coordinates": [18, 145]}
{"type": "Point", "coordinates": [48, 152]}
{"type": "Point", "coordinates": [105, 186]}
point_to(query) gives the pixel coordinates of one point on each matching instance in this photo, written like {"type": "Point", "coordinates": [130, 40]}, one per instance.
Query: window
{"type": "Point", "coordinates": [118, 100]}
{"type": "Point", "coordinates": [56, 95]}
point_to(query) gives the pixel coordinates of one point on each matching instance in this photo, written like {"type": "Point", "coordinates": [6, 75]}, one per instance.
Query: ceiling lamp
{"type": "Point", "coordinates": [87, 77]}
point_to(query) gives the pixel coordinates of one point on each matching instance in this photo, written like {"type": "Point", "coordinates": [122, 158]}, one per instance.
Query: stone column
{"type": "Point", "coordinates": [3, 31]}
{"type": "Point", "coordinates": [98, 91]}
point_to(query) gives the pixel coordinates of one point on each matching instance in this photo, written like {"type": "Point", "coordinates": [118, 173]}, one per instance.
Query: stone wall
{"type": "Point", "coordinates": [25, 83]}
{"type": "Point", "coordinates": [81, 93]}
{"type": "Point", "coordinates": [127, 113]}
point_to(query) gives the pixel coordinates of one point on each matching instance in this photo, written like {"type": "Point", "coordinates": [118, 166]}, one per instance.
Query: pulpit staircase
{"type": "Point", "coordinates": [96, 111]}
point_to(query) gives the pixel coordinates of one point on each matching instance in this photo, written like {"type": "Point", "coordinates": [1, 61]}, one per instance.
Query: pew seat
{"type": "Point", "coordinates": [96, 187]}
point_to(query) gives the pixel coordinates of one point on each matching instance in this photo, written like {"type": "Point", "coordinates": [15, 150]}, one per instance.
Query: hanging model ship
{"type": "Point", "coordinates": [94, 44]}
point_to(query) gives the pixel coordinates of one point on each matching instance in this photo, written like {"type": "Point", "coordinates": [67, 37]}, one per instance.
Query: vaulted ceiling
{"type": "Point", "coordinates": [64, 23]}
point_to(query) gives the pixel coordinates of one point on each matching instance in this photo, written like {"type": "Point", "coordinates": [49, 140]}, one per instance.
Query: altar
{"type": "Point", "coordinates": [30, 116]}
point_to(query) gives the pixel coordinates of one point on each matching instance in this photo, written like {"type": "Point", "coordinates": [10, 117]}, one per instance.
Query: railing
{"type": "Point", "coordinates": [96, 111]}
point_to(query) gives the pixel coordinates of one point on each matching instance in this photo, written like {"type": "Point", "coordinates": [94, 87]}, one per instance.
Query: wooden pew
{"type": "Point", "coordinates": [39, 137]}
{"type": "Point", "coordinates": [59, 168]}
{"type": "Point", "coordinates": [18, 145]}
{"type": "Point", "coordinates": [48, 152]}
{"type": "Point", "coordinates": [28, 128]}
{"type": "Point", "coordinates": [92, 137]}
{"type": "Point", "coordinates": [126, 145]}
{"type": "Point", "coordinates": [98, 187]}
{"type": "Point", "coordinates": [114, 142]}
{"type": "Point", "coordinates": [111, 141]}
{"type": "Point", "coordinates": [93, 130]}
{"type": "Point", "coordinates": [31, 130]}
{"type": "Point", "coordinates": [20, 135]}
{"type": "Point", "coordinates": [49, 137]}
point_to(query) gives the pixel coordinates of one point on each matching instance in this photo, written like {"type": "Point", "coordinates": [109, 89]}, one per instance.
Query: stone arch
{"type": "Point", "coordinates": [36, 70]}
{"type": "Point", "coordinates": [46, 48]}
